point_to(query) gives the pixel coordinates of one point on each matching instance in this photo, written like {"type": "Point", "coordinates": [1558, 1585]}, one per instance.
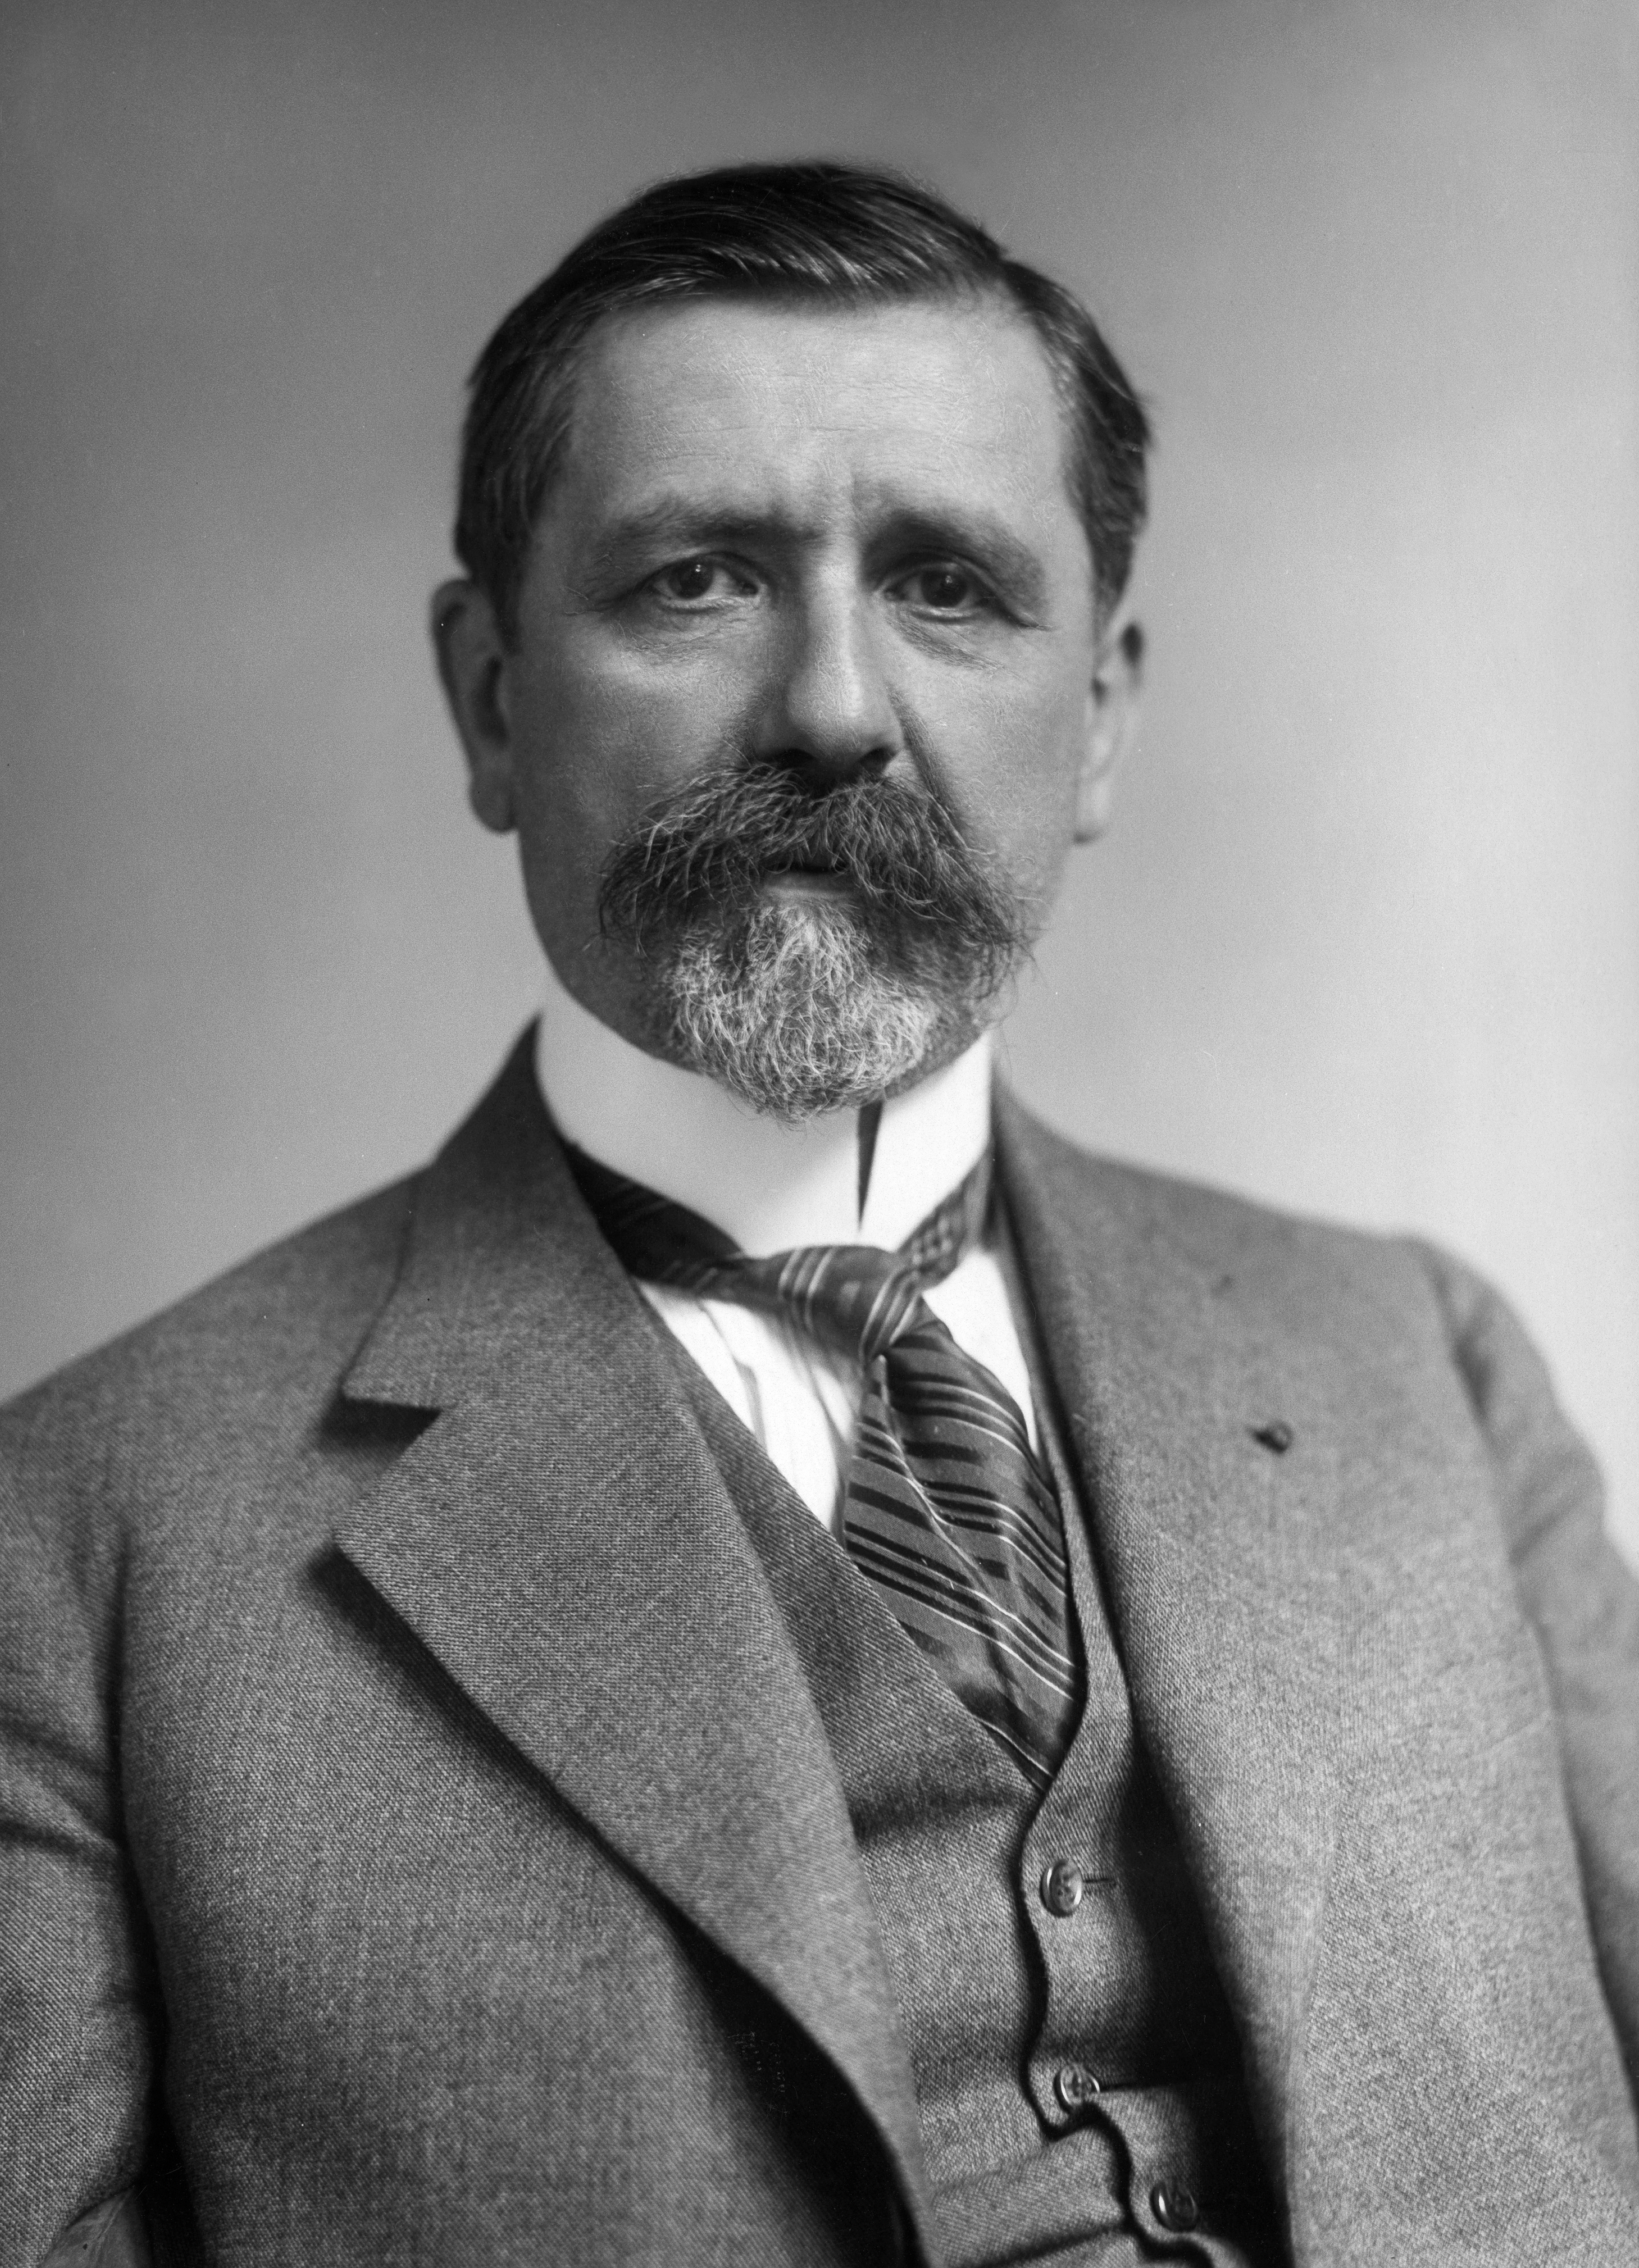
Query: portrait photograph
{"type": "Point", "coordinates": [819, 1134]}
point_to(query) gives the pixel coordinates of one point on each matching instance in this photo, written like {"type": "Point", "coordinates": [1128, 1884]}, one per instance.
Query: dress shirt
{"type": "Point", "coordinates": [770, 1186]}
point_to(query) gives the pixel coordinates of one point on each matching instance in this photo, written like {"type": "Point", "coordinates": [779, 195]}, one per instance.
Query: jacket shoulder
{"type": "Point", "coordinates": [1220, 1229]}
{"type": "Point", "coordinates": [279, 1326]}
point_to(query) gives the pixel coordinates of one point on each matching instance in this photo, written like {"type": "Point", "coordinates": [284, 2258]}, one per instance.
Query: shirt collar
{"type": "Point", "coordinates": [768, 1186]}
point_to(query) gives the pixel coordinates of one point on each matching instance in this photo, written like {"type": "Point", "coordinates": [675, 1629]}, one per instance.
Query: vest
{"type": "Point", "coordinates": [1077, 2067]}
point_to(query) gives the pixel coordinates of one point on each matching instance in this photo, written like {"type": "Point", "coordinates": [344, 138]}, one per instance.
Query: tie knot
{"type": "Point", "coordinates": [855, 1298]}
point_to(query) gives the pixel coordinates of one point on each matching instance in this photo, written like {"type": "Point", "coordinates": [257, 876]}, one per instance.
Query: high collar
{"type": "Point", "coordinates": [768, 1186]}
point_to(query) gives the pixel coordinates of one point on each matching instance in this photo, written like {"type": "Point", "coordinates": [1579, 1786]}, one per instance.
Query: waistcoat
{"type": "Point", "coordinates": [1077, 2067]}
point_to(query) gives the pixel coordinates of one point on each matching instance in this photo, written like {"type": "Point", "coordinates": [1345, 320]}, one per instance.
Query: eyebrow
{"type": "Point", "coordinates": [682, 520]}
{"type": "Point", "coordinates": [703, 524]}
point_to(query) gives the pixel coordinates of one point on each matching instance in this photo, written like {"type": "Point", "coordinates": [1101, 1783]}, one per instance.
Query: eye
{"type": "Point", "coordinates": [943, 586]}
{"type": "Point", "coordinates": [695, 583]}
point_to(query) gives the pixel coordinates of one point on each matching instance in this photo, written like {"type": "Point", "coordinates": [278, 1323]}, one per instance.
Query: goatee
{"type": "Point", "coordinates": [818, 1000]}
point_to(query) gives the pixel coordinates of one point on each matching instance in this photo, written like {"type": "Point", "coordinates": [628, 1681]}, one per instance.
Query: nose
{"type": "Point", "coordinates": [828, 710]}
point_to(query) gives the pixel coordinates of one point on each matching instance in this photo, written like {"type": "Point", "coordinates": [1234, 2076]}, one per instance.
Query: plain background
{"type": "Point", "coordinates": [1366, 937]}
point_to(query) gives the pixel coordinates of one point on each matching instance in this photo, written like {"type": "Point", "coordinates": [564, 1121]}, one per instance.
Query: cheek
{"type": "Point", "coordinates": [1009, 759]}
{"type": "Point", "coordinates": [608, 735]}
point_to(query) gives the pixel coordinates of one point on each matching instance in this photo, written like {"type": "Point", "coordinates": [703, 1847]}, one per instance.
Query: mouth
{"type": "Point", "coordinates": [808, 870]}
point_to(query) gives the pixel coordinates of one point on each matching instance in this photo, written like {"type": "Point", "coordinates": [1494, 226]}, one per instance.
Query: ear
{"type": "Point", "coordinates": [1111, 727]}
{"type": "Point", "coordinates": [473, 665]}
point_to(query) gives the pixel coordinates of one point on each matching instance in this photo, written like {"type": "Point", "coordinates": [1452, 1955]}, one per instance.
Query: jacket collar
{"type": "Point", "coordinates": [562, 1540]}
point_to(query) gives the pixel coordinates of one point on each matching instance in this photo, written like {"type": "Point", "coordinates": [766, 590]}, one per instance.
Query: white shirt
{"type": "Point", "coordinates": [770, 1186]}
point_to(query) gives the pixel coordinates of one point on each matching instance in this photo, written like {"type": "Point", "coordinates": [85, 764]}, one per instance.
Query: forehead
{"type": "Point", "coordinates": [801, 412]}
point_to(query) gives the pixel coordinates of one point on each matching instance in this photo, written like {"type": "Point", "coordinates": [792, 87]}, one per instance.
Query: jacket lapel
{"type": "Point", "coordinates": [561, 1538]}
{"type": "Point", "coordinates": [562, 1541]}
{"type": "Point", "coordinates": [1216, 1550]}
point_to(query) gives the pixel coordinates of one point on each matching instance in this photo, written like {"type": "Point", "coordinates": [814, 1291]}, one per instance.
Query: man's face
{"type": "Point", "coordinates": [829, 555]}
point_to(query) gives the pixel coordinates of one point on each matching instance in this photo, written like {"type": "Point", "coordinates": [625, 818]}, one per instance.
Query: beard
{"type": "Point", "coordinates": [804, 1004]}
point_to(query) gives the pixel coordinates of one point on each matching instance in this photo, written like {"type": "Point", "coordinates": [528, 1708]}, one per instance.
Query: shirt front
{"type": "Point", "coordinates": [847, 1177]}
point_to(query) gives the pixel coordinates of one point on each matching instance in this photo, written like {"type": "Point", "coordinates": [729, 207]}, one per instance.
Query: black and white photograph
{"type": "Point", "coordinates": [819, 1134]}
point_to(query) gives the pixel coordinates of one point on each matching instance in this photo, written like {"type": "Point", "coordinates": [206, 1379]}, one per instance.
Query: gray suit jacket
{"type": "Point", "coordinates": [419, 1844]}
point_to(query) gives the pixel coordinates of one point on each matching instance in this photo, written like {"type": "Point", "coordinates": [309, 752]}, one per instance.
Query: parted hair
{"type": "Point", "coordinates": [818, 234]}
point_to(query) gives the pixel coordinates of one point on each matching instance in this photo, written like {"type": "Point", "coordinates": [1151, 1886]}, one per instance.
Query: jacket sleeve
{"type": "Point", "coordinates": [1583, 1603]}
{"type": "Point", "coordinates": [76, 1997]}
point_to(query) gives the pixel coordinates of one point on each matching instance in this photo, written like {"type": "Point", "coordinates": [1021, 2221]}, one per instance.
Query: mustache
{"type": "Point", "coordinates": [709, 848]}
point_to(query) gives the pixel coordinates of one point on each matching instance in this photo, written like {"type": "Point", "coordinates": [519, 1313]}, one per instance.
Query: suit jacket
{"type": "Point", "coordinates": [420, 1844]}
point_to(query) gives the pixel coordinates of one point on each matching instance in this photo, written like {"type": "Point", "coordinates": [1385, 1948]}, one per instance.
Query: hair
{"type": "Point", "coordinates": [819, 235]}
{"type": "Point", "coordinates": [816, 1007]}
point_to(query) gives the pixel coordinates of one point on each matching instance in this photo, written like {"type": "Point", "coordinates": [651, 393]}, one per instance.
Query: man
{"type": "Point", "coordinates": [765, 1663]}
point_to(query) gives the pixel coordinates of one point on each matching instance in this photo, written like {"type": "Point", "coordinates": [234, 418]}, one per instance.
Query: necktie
{"type": "Point", "coordinates": [946, 1507]}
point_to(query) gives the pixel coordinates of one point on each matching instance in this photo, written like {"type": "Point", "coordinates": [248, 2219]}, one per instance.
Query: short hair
{"type": "Point", "coordinates": [814, 234]}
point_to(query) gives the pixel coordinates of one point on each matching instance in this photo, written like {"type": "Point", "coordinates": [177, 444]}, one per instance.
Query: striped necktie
{"type": "Point", "coordinates": [946, 1508]}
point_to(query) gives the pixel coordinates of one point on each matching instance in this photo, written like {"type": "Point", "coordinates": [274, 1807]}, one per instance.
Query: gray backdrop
{"type": "Point", "coordinates": [1364, 938]}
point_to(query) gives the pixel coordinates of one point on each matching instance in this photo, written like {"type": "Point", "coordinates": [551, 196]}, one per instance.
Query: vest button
{"type": "Point", "coordinates": [1075, 2085]}
{"type": "Point", "coordinates": [1062, 1887]}
{"type": "Point", "coordinates": [1173, 2205]}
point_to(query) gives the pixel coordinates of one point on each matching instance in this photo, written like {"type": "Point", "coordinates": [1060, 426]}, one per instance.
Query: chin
{"type": "Point", "coordinates": [799, 1010]}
